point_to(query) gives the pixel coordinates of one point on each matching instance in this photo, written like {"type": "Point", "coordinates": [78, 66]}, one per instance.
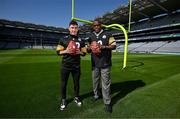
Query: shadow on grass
{"type": "Point", "coordinates": [137, 64]}
{"type": "Point", "coordinates": [121, 89]}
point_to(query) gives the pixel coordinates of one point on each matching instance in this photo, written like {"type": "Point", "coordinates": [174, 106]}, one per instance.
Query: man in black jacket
{"type": "Point", "coordinates": [101, 62]}
{"type": "Point", "coordinates": [71, 47]}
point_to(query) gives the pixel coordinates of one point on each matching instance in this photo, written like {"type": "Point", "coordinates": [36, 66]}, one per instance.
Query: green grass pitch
{"type": "Point", "coordinates": [30, 86]}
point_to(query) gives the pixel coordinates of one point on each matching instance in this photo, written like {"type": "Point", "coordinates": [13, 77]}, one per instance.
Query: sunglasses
{"type": "Point", "coordinates": [96, 25]}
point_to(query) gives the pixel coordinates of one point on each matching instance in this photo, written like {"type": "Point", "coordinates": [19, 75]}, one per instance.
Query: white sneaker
{"type": "Point", "coordinates": [63, 104]}
{"type": "Point", "coordinates": [77, 101]}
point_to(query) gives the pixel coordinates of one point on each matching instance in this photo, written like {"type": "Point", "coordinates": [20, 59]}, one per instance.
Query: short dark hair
{"type": "Point", "coordinates": [97, 20]}
{"type": "Point", "coordinates": [72, 22]}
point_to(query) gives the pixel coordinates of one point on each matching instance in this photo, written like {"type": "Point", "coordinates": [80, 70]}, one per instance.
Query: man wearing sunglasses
{"type": "Point", "coordinates": [101, 44]}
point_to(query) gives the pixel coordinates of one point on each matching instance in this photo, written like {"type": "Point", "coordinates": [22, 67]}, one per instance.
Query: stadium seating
{"type": "Point", "coordinates": [170, 47]}
{"type": "Point", "coordinates": [25, 45]}
{"type": "Point", "coordinates": [152, 47]}
{"type": "Point", "coordinates": [164, 20]}
{"type": "Point", "coordinates": [133, 46]}
{"type": "Point", "coordinates": [12, 45]}
{"type": "Point", "coordinates": [15, 35]}
{"type": "Point", "coordinates": [155, 28]}
{"type": "Point", "coordinates": [2, 44]}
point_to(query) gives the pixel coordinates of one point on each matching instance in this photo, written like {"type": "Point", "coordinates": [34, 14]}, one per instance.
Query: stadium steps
{"type": "Point", "coordinates": [160, 46]}
{"type": "Point", "coordinates": [136, 47]}
{"type": "Point", "coordinates": [171, 47]}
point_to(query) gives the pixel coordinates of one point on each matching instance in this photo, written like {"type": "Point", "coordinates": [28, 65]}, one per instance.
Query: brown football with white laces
{"type": "Point", "coordinates": [72, 47]}
{"type": "Point", "coordinates": [95, 47]}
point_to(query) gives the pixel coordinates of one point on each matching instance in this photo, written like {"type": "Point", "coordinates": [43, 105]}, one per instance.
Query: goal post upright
{"type": "Point", "coordinates": [130, 12]}
{"type": "Point", "coordinates": [112, 26]}
{"type": "Point", "coordinates": [72, 6]}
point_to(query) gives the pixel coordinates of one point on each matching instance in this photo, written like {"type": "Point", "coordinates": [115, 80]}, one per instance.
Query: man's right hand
{"type": "Point", "coordinates": [69, 51]}
{"type": "Point", "coordinates": [66, 51]}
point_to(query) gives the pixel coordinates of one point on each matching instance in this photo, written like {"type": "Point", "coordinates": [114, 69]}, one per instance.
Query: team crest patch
{"type": "Point", "coordinates": [104, 36]}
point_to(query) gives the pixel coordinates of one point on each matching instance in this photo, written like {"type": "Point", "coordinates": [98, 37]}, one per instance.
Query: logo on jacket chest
{"type": "Point", "coordinates": [103, 37]}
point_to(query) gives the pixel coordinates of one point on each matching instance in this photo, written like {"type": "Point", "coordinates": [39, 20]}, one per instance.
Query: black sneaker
{"type": "Point", "coordinates": [63, 104]}
{"type": "Point", "coordinates": [108, 108]}
{"type": "Point", "coordinates": [77, 101]}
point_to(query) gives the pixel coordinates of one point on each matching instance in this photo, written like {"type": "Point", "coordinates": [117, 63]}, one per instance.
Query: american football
{"type": "Point", "coordinates": [72, 47]}
{"type": "Point", "coordinates": [95, 47]}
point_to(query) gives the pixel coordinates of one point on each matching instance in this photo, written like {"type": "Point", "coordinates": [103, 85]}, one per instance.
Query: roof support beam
{"type": "Point", "coordinates": [141, 13]}
{"type": "Point", "coordinates": [158, 5]}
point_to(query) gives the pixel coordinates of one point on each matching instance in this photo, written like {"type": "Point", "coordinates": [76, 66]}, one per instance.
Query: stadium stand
{"type": "Point", "coordinates": [170, 47]}
{"type": "Point", "coordinates": [155, 28]}
{"type": "Point", "coordinates": [13, 45]}
{"type": "Point", "coordinates": [25, 45]}
{"type": "Point", "coordinates": [15, 35]}
{"type": "Point", "coordinates": [2, 44]}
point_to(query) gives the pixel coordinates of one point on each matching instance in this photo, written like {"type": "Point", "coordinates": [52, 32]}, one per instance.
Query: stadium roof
{"type": "Point", "coordinates": [141, 9]}
{"type": "Point", "coordinates": [21, 25]}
